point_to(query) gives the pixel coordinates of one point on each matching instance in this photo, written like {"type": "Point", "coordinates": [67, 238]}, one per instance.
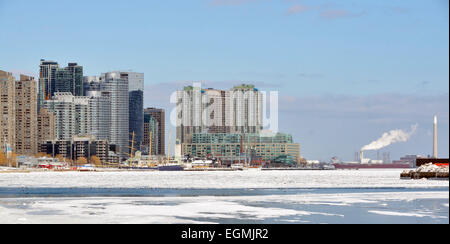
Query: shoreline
{"type": "Point", "coordinates": [190, 170]}
{"type": "Point", "coordinates": [217, 179]}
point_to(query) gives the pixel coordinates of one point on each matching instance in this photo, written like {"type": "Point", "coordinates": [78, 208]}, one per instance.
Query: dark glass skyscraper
{"type": "Point", "coordinates": [70, 79]}
{"type": "Point", "coordinates": [77, 76]}
{"type": "Point", "coordinates": [136, 106]}
{"type": "Point", "coordinates": [47, 80]}
{"type": "Point", "coordinates": [158, 115]}
{"type": "Point", "coordinates": [136, 117]}
{"type": "Point", "coordinates": [151, 133]}
{"type": "Point", "coordinates": [53, 79]}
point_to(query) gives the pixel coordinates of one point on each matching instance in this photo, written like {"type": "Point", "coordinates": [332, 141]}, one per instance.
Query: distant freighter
{"type": "Point", "coordinates": [372, 166]}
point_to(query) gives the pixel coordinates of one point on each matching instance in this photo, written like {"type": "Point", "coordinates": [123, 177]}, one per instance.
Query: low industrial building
{"type": "Point", "coordinates": [34, 162]}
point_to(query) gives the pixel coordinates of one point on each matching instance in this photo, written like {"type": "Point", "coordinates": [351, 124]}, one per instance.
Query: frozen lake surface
{"type": "Point", "coordinates": [372, 196]}
{"type": "Point", "coordinates": [218, 180]}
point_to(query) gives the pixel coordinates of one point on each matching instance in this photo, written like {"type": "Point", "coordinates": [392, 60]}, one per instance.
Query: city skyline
{"type": "Point", "coordinates": [395, 74]}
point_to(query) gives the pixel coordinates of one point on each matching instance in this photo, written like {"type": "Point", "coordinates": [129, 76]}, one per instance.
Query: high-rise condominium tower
{"type": "Point", "coordinates": [70, 79]}
{"type": "Point", "coordinates": [18, 114]}
{"type": "Point", "coordinates": [91, 84]}
{"type": "Point", "coordinates": [72, 115]}
{"type": "Point", "coordinates": [100, 112]}
{"type": "Point", "coordinates": [46, 126]}
{"type": "Point", "coordinates": [218, 111]}
{"type": "Point", "coordinates": [26, 116]}
{"type": "Point", "coordinates": [47, 80]}
{"type": "Point", "coordinates": [7, 111]}
{"type": "Point", "coordinates": [116, 89]}
{"type": "Point", "coordinates": [54, 79]}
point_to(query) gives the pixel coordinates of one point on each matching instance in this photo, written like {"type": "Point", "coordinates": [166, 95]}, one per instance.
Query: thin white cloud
{"type": "Point", "coordinates": [340, 13]}
{"type": "Point", "coordinates": [298, 8]}
{"type": "Point", "coordinates": [231, 2]}
{"type": "Point", "coordinates": [326, 11]}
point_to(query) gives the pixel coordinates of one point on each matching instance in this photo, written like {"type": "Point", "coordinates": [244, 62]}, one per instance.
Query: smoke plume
{"type": "Point", "coordinates": [389, 138]}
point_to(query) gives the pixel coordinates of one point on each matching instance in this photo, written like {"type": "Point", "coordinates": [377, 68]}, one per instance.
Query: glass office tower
{"type": "Point", "coordinates": [54, 79]}
{"type": "Point", "coordinates": [47, 81]}
{"type": "Point", "coordinates": [136, 106]}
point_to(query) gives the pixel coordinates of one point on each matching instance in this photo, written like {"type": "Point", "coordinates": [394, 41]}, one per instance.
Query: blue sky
{"type": "Point", "coordinates": [347, 71]}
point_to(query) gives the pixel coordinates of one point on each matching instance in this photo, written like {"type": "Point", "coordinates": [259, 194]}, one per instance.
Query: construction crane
{"type": "Point", "coordinates": [150, 146]}
{"type": "Point", "coordinates": [132, 149]}
{"type": "Point", "coordinates": [168, 149]}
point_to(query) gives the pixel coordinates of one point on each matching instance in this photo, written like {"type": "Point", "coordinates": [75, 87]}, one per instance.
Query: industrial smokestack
{"type": "Point", "coordinates": [435, 139]}
{"type": "Point", "coordinates": [361, 156]}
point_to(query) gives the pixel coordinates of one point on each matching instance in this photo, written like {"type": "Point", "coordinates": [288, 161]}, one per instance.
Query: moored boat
{"type": "Point", "coordinates": [170, 167]}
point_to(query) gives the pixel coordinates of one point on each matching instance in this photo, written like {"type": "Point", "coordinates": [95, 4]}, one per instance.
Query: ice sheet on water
{"type": "Point", "coordinates": [216, 180]}
{"type": "Point", "coordinates": [213, 209]}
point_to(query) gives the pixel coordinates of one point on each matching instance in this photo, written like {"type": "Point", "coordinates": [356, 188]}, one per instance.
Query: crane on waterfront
{"type": "Point", "coordinates": [132, 150]}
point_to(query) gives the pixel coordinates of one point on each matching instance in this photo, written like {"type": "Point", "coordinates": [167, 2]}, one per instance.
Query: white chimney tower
{"type": "Point", "coordinates": [435, 139]}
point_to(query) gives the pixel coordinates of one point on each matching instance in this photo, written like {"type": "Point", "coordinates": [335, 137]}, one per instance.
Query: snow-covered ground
{"type": "Point", "coordinates": [431, 168]}
{"type": "Point", "coordinates": [217, 180]}
{"type": "Point", "coordinates": [243, 197]}
{"type": "Point", "coordinates": [380, 207]}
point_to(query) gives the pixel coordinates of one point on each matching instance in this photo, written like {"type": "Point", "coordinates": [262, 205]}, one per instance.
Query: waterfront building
{"type": "Point", "coordinates": [7, 111]}
{"type": "Point", "coordinates": [265, 147]}
{"type": "Point", "coordinates": [26, 116]}
{"type": "Point", "coordinates": [88, 147]}
{"type": "Point", "coordinates": [34, 162]}
{"type": "Point", "coordinates": [78, 147]}
{"type": "Point", "coordinates": [158, 126]}
{"type": "Point", "coordinates": [113, 158]}
{"type": "Point", "coordinates": [72, 115]}
{"type": "Point", "coordinates": [227, 125]}
{"type": "Point", "coordinates": [78, 116]}
{"type": "Point", "coordinates": [218, 111]}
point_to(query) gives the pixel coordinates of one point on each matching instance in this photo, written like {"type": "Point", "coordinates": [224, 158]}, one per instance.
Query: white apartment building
{"type": "Point", "coordinates": [238, 110]}
{"type": "Point", "coordinates": [72, 115]}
